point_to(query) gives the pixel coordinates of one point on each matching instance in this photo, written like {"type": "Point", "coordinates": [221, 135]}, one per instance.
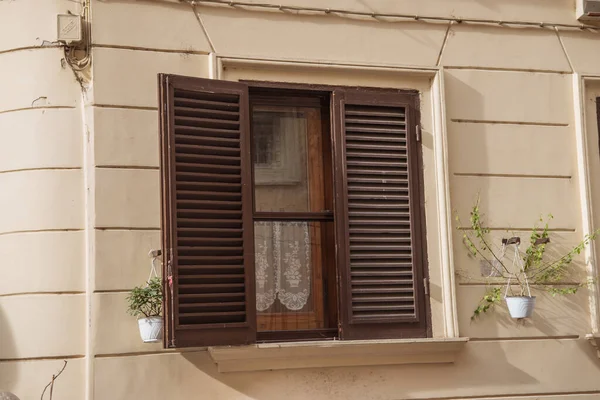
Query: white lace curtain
{"type": "Point", "coordinates": [283, 264]}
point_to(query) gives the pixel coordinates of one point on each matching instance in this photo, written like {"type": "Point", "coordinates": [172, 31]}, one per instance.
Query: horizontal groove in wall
{"type": "Point", "coordinates": [150, 353]}
{"type": "Point", "coordinates": [27, 48]}
{"type": "Point", "coordinates": [101, 291]}
{"type": "Point", "coordinates": [151, 49]}
{"type": "Point", "coordinates": [523, 338]}
{"type": "Point", "coordinates": [70, 357]}
{"type": "Point", "coordinates": [126, 107]}
{"type": "Point", "coordinates": [145, 167]}
{"type": "Point", "coordinates": [490, 175]}
{"type": "Point", "coordinates": [10, 171]}
{"type": "Point", "coordinates": [127, 228]}
{"type": "Point", "coordinates": [510, 395]}
{"type": "Point", "coordinates": [42, 293]}
{"type": "Point", "coordinates": [37, 108]}
{"type": "Point", "coordinates": [501, 282]}
{"type": "Point", "coordinates": [232, 59]}
{"type": "Point", "coordinates": [516, 229]}
{"type": "Point", "coordinates": [495, 122]}
{"type": "Point", "coordinates": [40, 231]}
{"type": "Point", "coordinates": [497, 69]}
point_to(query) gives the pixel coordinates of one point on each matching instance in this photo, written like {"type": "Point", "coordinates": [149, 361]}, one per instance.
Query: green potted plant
{"type": "Point", "coordinates": [533, 268]}
{"type": "Point", "coordinates": [145, 303]}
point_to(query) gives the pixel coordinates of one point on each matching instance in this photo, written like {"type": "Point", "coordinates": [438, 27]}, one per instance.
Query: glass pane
{"type": "Point", "coordinates": [289, 281]}
{"type": "Point", "coordinates": [282, 156]}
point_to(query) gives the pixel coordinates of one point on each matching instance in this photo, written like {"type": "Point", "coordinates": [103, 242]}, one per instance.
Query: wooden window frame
{"type": "Point", "coordinates": [327, 286]}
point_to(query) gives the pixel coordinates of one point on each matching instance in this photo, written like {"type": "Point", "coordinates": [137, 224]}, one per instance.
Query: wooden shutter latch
{"type": "Point", "coordinates": [418, 133]}
{"type": "Point", "coordinates": [426, 285]}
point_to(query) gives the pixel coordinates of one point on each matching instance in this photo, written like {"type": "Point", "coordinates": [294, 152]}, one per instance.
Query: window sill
{"type": "Point", "coordinates": [268, 356]}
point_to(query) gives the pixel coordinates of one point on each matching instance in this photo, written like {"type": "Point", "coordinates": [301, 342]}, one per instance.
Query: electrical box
{"type": "Point", "coordinates": [69, 28]}
{"type": "Point", "coordinates": [588, 11]}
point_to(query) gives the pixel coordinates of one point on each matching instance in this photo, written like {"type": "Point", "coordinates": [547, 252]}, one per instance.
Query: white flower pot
{"type": "Point", "coordinates": [151, 329]}
{"type": "Point", "coordinates": [520, 306]}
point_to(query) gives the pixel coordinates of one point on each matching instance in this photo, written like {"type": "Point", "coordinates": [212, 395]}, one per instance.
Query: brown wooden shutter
{"type": "Point", "coordinates": [206, 212]}
{"type": "Point", "coordinates": [598, 118]}
{"type": "Point", "coordinates": [379, 215]}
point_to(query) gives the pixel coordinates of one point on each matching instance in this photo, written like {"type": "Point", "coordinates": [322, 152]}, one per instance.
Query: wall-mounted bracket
{"type": "Point", "coordinates": [594, 339]}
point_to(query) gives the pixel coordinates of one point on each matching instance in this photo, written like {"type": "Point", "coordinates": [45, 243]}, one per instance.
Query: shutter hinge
{"type": "Point", "coordinates": [426, 285]}
{"type": "Point", "coordinates": [418, 133]}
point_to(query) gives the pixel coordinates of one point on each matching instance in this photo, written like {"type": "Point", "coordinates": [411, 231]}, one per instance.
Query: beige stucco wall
{"type": "Point", "coordinates": [80, 185]}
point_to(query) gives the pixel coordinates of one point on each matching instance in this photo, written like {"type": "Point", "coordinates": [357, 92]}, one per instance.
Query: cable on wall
{"type": "Point", "coordinates": [386, 17]}
{"type": "Point", "coordinates": [71, 56]}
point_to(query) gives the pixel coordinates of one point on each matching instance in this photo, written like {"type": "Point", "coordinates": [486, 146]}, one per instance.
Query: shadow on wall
{"type": "Point", "coordinates": [8, 369]}
{"type": "Point", "coordinates": [470, 373]}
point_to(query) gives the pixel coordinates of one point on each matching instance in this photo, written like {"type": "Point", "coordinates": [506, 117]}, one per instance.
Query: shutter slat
{"type": "Point", "coordinates": [214, 105]}
{"type": "Point", "coordinates": [207, 177]}
{"type": "Point", "coordinates": [207, 214]}
{"type": "Point", "coordinates": [208, 204]}
{"type": "Point", "coordinates": [212, 132]}
{"type": "Point", "coordinates": [371, 112]}
{"type": "Point", "coordinates": [209, 159]}
{"type": "Point", "coordinates": [223, 297]}
{"type": "Point", "coordinates": [221, 305]}
{"type": "Point", "coordinates": [381, 250]}
{"type": "Point", "coordinates": [210, 168]}
{"type": "Point", "coordinates": [382, 273]}
{"type": "Point", "coordinates": [382, 264]}
{"type": "Point", "coordinates": [377, 155]}
{"type": "Point", "coordinates": [217, 123]}
{"type": "Point", "coordinates": [373, 121]}
{"type": "Point", "coordinates": [203, 195]}
{"type": "Point", "coordinates": [382, 299]}
{"type": "Point", "coordinates": [375, 147]}
{"type": "Point", "coordinates": [195, 149]}
{"type": "Point", "coordinates": [381, 307]}
{"type": "Point", "coordinates": [206, 112]}
{"type": "Point", "coordinates": [363, 129]}
{"type": "Point", "coordinates": [220, 142]}
{"type": "Point", "coordinates": [381, 290]}
{"type": "Point", "coordinates": [199, 241]}
{"type": "Point", "coordinates": [211, 268]}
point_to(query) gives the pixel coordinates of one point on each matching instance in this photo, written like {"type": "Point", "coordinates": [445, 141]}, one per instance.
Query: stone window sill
{"type": "Point", "coordinates": [336, 353]}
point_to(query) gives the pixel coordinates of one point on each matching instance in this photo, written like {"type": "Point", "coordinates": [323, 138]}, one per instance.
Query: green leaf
{"type": "Point", "coordinates": [146, 301]}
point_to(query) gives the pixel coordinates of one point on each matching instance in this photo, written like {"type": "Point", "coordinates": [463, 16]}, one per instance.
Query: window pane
{"type": "Point", "coordinates": [289, 281]}
{"type": "Point", "coordinates": [286, 141]}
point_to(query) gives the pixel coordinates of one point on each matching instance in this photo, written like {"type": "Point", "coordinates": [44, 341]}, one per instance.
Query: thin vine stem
{"type": "Point", "coordinates": [51, 384]}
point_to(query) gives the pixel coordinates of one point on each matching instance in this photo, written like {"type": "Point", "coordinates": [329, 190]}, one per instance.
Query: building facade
{"type": "Point", "coordinates": [507, 94]}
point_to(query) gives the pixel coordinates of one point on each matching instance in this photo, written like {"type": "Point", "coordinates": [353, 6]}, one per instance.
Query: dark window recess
{"type": "Point", "coordinates": [290, 214]}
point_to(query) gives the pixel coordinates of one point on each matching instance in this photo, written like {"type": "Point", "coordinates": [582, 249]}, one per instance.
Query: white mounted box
{"type": "Point", "coordinates": [69, 28]}
{"type": "Point", "coordinates": [588, 11]}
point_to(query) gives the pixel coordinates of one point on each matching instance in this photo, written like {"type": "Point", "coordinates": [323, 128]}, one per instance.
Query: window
{"type": "Point", "coordinates": [290, 213]}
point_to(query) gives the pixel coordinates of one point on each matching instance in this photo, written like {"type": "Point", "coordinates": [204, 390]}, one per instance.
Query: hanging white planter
{"type": "Point", "coordinates": [151, 329]}
{"type": "Point", "coordinates": [520, 306]}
